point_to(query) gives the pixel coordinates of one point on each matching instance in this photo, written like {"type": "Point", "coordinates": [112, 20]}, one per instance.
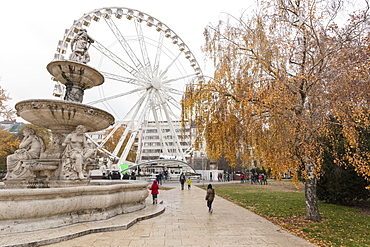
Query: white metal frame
{"type": "Point", "coordinates": [156, 90]}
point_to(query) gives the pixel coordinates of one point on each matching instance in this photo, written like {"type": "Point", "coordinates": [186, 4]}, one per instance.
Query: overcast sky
{"type": "Point", "coordinates": [32, 29]}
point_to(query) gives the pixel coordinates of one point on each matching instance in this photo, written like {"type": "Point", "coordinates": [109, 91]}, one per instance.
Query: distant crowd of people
{"type": "Point", "coordinates": [255, 178]}
{"type": "Point", "coordinates": [226, 177]}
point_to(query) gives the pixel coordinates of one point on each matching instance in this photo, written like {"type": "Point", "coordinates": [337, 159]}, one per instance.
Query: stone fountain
{"type": "Point", "coordinates": [49, 188]}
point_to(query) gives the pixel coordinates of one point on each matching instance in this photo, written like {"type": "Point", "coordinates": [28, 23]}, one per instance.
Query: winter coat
{"type": "Point", "coordinates": [182, 178]}
{"type": "Point", "coordinates": [210, 194]}
{"type": "Point", "coordinates": [154, 188]}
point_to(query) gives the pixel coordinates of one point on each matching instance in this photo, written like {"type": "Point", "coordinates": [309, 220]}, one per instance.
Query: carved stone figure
{"type": "Point", "coordinates": [76, 154]}
{"type": "Point", "coordinates": [30, 148]}
{"type": "Point", "coordinates": [79, 45]}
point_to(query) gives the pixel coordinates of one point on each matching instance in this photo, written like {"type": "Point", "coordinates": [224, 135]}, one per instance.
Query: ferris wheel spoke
{"type": "Point", "coordinates": [125, 45]}
{"type": "Point", "coordinates": [106, 52]}
{"type": "Point", "coordinates": [158, 54]}
{"type": "Point", "coordinates": [178, 79]}
{"type": "Point", "coordinates": [122, 79]}
{"type": "Point", "coordinates": [116, 96]}
{"type": "Point", "coordinates": [174, 90]}
{"type": "Point", "coordinates": [174, 103]}
{"type": "Point", "coordinates": [143, 49]}
{"type": "Point", "coordinates": [138, 104]}
{"type": "Point", "coordinates": [169, 66]}
{"type": "Point", "coordinates": [169, 98]}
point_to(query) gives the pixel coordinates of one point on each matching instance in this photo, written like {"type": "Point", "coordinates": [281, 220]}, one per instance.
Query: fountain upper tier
{"type": "Point", "coordinates": [66, 71]}
{"type": "Point", "coordinates": [77, 77]}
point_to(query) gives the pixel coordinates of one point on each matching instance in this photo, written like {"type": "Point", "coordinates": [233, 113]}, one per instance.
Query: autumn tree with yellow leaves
{"type": "Point", "coordinates": [112, 142]}
{"type": "Point", "coordinates": [8, 141]}
{"type": "Point", "coordinates": [280, 72]}
{"type": "Point", "coordinates": [8, 144]}
{"type": "Point", "coordinates": [5, 111]}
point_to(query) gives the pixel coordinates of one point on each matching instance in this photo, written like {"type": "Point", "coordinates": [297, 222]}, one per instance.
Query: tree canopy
{"type": "Point", "coordinates": [5, 111]}
{"type": "Point", "coordinates": [280, 72]}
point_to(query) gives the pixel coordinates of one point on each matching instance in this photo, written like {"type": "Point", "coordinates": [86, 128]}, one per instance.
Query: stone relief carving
{"type": "Point", "coordinates": [55, 150]}
{"type": "Point", "coordinates": [30, 148]}
{"type": "Point", "coordinates": [79, 45]}
{"type": "Point", "coordinates": [76, 154]}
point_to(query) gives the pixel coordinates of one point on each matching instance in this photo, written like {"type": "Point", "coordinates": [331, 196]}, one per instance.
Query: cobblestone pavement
{"type": "Point", "coordinates": [186, 222]}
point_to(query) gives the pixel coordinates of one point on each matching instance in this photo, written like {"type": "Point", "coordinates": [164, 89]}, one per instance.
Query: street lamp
{"type": "Point", "coordinates": [202, 154]}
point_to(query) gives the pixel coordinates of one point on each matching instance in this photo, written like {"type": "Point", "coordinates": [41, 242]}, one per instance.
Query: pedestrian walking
{"type": "Point", "coordinates": [210, 177]}
{"type": "Point", "coordinates": [210, 196]}
{"type": "Point", "coordinates": [159, 178]}
{"type": "Point", "coordinates": [242, 178]}
{"type": "Point", "coordinates": [182, 180]}
{"type": "Point", "coordinates": [188, 181]}
{"type": "Point", "coordinates": [155, 191]}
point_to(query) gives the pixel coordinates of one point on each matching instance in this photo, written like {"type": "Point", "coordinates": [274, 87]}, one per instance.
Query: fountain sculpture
{"type": "Point", "coordinates": [49, 188]}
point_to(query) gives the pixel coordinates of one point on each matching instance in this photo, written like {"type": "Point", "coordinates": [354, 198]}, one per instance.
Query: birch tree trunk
{"type": "Point", "coordinates": [312, 210]}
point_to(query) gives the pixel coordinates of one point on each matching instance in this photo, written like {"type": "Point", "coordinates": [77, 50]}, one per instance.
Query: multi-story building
{"type": "Point", "coordinates": [154, 144]}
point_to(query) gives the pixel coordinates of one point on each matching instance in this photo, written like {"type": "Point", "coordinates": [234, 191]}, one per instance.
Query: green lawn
{"type": "Point", "coordinates": [284, 204]}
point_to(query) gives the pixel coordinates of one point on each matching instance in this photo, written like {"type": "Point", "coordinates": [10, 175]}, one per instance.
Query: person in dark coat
{"type": "Point", "coordinates": [155, 191]}
{"type": "Point", "coordinates": [210, 196]}
{"type": "Point", "coordinates": [182, 180]}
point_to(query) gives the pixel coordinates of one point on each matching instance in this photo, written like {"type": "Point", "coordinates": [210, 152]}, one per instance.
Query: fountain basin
{"type": "Point", "coordinates": [23, 210]}
{"type": "Point", "coordinates": [63, 116]}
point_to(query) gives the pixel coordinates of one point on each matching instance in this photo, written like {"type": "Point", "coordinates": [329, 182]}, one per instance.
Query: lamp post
{"type": "Point", "coordinates": [202, 154]}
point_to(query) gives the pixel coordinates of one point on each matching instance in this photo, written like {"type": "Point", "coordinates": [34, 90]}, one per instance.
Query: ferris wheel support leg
{"type": "Point", "coordinates": [162, 140]}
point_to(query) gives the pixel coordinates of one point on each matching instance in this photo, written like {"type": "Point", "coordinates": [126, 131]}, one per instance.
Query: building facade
{"type": "Point", "coordinates": [156, 144]}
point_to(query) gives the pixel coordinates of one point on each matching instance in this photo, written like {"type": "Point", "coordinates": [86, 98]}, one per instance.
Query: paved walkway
{"type": "Point", "coordinates": [181, 220]}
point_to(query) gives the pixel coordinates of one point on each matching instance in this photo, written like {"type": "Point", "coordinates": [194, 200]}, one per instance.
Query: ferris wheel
{"type": "Point", "coordinates": [146, 67]}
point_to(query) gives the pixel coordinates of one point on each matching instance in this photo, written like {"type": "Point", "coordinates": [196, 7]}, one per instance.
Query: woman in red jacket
{"type": "Point", "coordinates": [155, 191]}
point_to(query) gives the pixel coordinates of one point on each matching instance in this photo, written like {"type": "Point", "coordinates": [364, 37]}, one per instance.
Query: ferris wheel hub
{"type": "Point", "coordinates": [157, 83]}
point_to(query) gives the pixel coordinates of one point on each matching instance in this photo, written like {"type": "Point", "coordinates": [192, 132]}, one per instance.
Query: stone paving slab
{"type": "Point", "coordinates": [57, 235]}
{"type": "Point", "coordinates": [186, 222]}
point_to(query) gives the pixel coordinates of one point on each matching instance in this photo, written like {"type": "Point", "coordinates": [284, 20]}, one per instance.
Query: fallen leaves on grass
{"type": "Point", "coordinates": [295, 225]}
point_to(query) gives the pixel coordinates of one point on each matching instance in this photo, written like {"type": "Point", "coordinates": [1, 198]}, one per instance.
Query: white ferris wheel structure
{"type": "Point", "coordinates": [146, 67]}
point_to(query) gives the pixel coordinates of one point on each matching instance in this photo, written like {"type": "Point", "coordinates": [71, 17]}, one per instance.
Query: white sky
{"type": "Point", "coordinates": [32, 29]}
